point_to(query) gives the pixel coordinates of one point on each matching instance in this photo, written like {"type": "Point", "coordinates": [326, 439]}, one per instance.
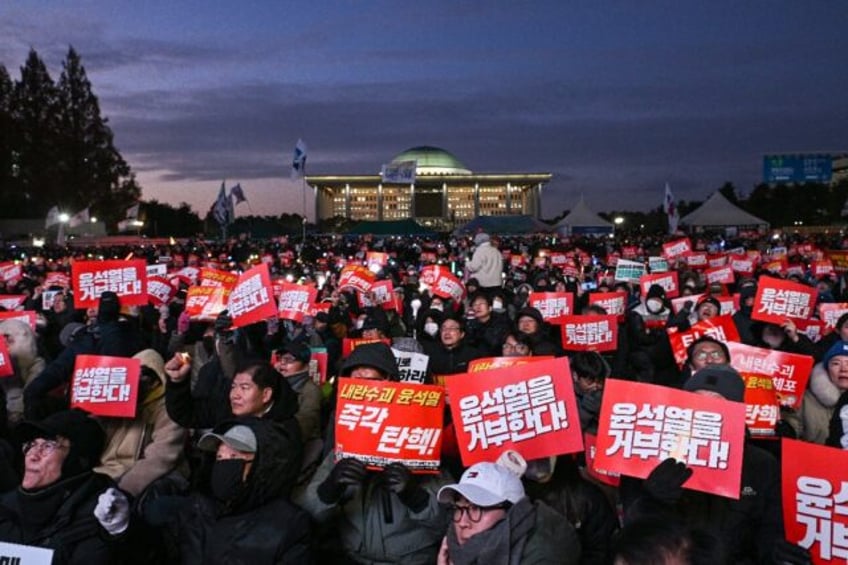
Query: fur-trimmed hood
{"type": "Point", "coordinates": [822, 388]}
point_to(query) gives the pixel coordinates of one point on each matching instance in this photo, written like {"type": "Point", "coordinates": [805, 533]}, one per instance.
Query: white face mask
{"type": "Point", "coordinates": [497, 304]}
{"type": "Point", "coordinates": [431, 328]}
{"type": "Point", "coordinates": [654, 305]}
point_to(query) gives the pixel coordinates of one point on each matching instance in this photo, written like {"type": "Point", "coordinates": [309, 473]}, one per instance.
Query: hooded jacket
{"type": "Point", "coordinates": [142, 449]}
{"type": "Point", "coordinates": [27, 363]}
{"type": "Point", "coordinates": [260, 526]}
{"type": "Point", "coordinates": [818, 405]}
{"type": "Point", "coordinates": [486, 265]}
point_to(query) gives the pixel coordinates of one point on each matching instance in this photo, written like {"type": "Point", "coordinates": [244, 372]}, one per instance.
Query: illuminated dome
{"type": "Point", "coordinates": [433, 161]}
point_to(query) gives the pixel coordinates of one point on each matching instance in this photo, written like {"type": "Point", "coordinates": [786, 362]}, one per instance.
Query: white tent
{"type": "Point", "coordinates": [581, 220]}
{"type": "Point", "coordinates": [719, 213]}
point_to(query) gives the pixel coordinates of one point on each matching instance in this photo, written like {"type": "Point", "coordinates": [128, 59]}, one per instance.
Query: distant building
{"type": "Point", "coordinates": [445, 192]}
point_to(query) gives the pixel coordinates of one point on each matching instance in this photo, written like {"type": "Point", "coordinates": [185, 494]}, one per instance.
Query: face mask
{"type": "Point", "coordinates": [226, 481]}
{"type": "Point", "coordinates": [497, 304]}
{"type": "Point", "coordinates": [209, 344]}
{"type": "Point", "coordinates": [654, 305]}
{"type": "Point", "coordinates": [436, 307]}
{"type": "Point", "coordinates": [431, 328]}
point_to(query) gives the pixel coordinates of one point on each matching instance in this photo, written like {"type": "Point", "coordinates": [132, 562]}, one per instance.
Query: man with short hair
{"type": "Point", "coordinates": [292, 362]}
{"type": "Point", "coordinates": [453, 354]}
{"type": "Point", "coordinates": [488, 329]}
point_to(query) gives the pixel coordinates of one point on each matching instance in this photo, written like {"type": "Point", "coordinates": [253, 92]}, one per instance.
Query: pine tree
{"type": "Point", "coordinates": [9, 194]}
{"type": "Point", "coordinates": [95, 173]}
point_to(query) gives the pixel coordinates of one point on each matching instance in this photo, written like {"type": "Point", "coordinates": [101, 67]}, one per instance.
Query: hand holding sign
{"type": "Point", "coordinates": [347, 472]}
{"type": "Point", "coordinates": [665, 483]}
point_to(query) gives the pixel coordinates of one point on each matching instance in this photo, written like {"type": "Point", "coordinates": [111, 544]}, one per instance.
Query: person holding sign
{"type": "Point", "coordinates": [61, 504]}
{"type": "Point", "coordinates": [495, 522]}
{"type": "Point", "coordinates": [750, 527]}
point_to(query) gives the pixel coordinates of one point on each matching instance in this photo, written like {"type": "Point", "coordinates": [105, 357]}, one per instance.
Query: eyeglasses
{"type": "Point", "coordinates": [474, 512]}
{"type": "Point", "coordinates": [46, 447]}
{"type": "Point", "coordinates": [714, 355]}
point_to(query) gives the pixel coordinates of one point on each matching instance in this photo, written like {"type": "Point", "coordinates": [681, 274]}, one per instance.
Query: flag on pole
{"type": "Point", "coordinates": [220, 210]}
{"type": "Point", "coordinates": [299, 160]}
{"type": "Point", "coordinates": [132, 212]}
{"type": "Point", "coordinates": [80, 218]}
{"type": "Point", "coordinates": [52, 217]}
{"type": "Point", "coordinates": [670, 209]}
{"type": "Point", "coordinates": [237, 193]}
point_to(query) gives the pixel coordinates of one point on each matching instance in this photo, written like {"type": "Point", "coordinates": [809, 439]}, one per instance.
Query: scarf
{"type": "Point", "coordinates": [39, 507]}
{"type": "Point", "coordinates": [502, 544]}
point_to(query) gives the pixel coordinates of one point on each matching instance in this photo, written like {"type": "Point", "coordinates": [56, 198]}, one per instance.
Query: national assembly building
{"type": "Point", "coordinates": [442, 194]}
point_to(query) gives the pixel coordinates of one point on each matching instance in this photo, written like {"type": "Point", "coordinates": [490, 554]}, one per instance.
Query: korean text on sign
{"type": "Point", "coordinates": [128, 279]}
{"type": "Point", "coordinates": [590, 333]}
{"type": "Point", "coordinates": [529, 408]}
{"type": "Point", "coordinates": [778, 299]}
{"type": "Point", "coordinates": [383, 422]}
{"type": "Point", "coordinates": [106, 386]}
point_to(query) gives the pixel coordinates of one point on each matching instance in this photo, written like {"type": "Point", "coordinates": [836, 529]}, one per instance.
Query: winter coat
{"type": "Point", "coordinates": [444, 361]}
{"type": "Point", "coordinates": [308, 414]}
{"type": "Point", "coordinates": [486, 265]}
{"type": "Point", "coordinates": [818, 406]}
{"type": "Point", "coordinates": [262, 526]}
{"type": "Point", "coordinates": [72, 531]}
{"type": "Point", "coordinates": [140, 450]}
{"type": "Point", "coordinates": [489, 337]}
{"type": "Point", "coordinates": [373, 525]}
{"type": "Point", "coordinates": [26, 361]}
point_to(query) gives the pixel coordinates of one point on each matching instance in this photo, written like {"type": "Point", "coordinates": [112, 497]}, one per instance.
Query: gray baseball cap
{"type": "Point", "coordinates": [239, 437]}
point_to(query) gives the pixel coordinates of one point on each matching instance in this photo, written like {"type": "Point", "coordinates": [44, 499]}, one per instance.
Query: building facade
{"type": "Point", "coordinates": [445, 192]}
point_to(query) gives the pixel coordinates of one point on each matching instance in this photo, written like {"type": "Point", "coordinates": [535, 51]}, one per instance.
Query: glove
{"type": "Point", "coordinates": [688, 305]}
{"type": "Point", "coordinates": [843, 415]}
{"type": "Point", "coordinates": [665, 483]}
{"type": "Point", "coordinates": [787, 553]}
{"type": "Point", "coordinates": [399, 479]}
{"type": "Point", "coordinates": [347, 472]}
{"type": "Point", "coordinates": [113, 511]}
{"type": "Point", "coordinates": [223, 323]}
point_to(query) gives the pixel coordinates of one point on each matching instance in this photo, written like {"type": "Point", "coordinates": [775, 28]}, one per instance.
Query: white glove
{"type": "Point", "coordinates": [843, 415]}
{"type": "Point", "coordinates": [113, 511]}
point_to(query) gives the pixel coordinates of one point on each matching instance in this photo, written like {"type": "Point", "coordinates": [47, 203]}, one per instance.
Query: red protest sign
{"type": "Point", "coordinates": [612, 302]}
{"type": "Point", "coordinates": [815, 515]}
{"type": "Point", "coordinates": [742, 264]}
{"type": "Point", "coordinates": [489, 363]}
{"type": "Point", "coordinates": [554, 306]}
{"type": "Point", "coordinates": [294, 301]}
{"type": "Point", "coordinates": [813, 329]}
{"type": "Point", "coordinates": [590, 443]}
{"type": "Point", "coordinates": [12, 301]}
{"type": "Point", "coordinates": [205, 302]}
{"type": "Point", "coordinates": [11, 272]}
{"type": "Point", "coordinates": [57, 279]}
{"type": "Point", "coordinates": [376, 260]}
{"type": "Point", "coordinates": [590, 333]}
{"type": "Point", "coordinates": [356, 277]}
{"type": "Point", "coordinates": [349, 343]}
{"type": "Point", "coordinates": [668, 281]}
{"type": "Point", "coordinates": [677, 248]}
{"type": "Point", "coordinates": [714, 261]}
{"type": "Point", "coordinates": [696, 260]}
{"type": "Point", "coordinates": [720, 275]}
{"type": "Point", "coordinates": [762, 409]}
{"type": "Point", "coordinates": [382, 422]}
{"type": "Point", "coordinates": [721, 328]}
{"type": "Point", "coordinates": [316, 307]}
{"type": "Point", "coordinates": [25, 316]}
{"type": "Point", "coordinates": [214, 277]}
{"type": "Point", "coordinates": [822, 269]}
{"type": "Point", "coordinates": [641, 425]}
{"type": "Point", "coordinates": [449, 286]}
{"type": "Point", "coordinates": [128, 279]}
{"type": "Point", "coordinates": [830, 312]}
{"type": "Point", "coordinates": [252, 299]}
{"type": "Point", "coordinates": [529, 408]}
{"type": "Point", "coordinates": [777, 300]}
{"type": "Point", "coordinates": [383, 296]}
{"type": "Point", "coordinates": [7, 369]}
{"type": "Point", "coordinates": [788, 371]}
{"type": "Point", "coordinates": [105, 386]}
{"type": "Point", "coordinates": [159, 290]}
{"type": "Point", "coordinates": [430, 274]}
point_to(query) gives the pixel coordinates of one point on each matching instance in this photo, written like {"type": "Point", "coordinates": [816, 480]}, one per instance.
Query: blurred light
{"type": "Point", "coordinates": [38, 242]}
{"type": "Point", "coordinates": [63, 217]}
{"type": "Point", "coordinates": [618, 220]}
{"type": "Point", "coordinates": [93, 220]}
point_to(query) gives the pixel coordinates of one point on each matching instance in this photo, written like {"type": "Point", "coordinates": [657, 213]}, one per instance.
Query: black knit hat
{"type": "Point", "coordinates": [656, 291]}
{"type": "Point", "coordinates": [531, 312]}
{"type": "Point", "coordinates": [377, 355]}
{"type": "Point", "coordinates": [82, 430]}
{"type": "Point", "coordinates": [109, 308]}
{"type": "Point", "coordinates": [722, 379]}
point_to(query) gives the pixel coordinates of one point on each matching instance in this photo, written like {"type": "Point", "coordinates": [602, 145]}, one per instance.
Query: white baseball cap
{"type": "Point", "coordinates": [485, 484]}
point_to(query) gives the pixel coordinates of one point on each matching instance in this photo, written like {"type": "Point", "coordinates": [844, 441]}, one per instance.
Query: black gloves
{"type": "Point", "coordinates": [399, 479]}
{"type": "Point", "coordinates": [665, 483]}
{"type": "Point", "coordinates": [787, 553]}
{"type": "Point", "coordinates": [347, 472]}
{"type": "Point", "coordinates": [223, 323]}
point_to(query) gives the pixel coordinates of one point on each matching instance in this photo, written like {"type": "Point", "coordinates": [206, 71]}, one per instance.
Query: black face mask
{"type": "Point", "coordinates": [226, 481]}
{"type": "Point", "coordinates": [209, 344]}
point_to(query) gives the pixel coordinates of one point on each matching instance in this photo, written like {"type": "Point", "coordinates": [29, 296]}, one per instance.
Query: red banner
{"type": "Point", "coordinates": [590, 333]}
{"type": "Point", "coordinates": [489, 363]}
{"type": "Point", "coordinates": [677, 248]}
{"type": "Point", "coordinates": [128, 279]}
{"type": "Point", "coordinates": [214, 277]}
{"type": "Point", "coordinates": [762, 409]}
{"type": "Point", "coordinates": [295, 300]}
{"type": "Point", "coordinates": [356, 277]}
{"type": "Point", "coordinates": [721, 328]}
{"type": "Point", "coordinates": [382, 422]}
{"type": "Point", "coordinates": [206, 302]}
{"type": "Point", "coordinates": [830, 312]}
{"type": "Point", "coordinates": [530, 408]}
{"type": "Point", "coordinates": [612, 302]}
{"type": "Point", "coordinates": [449, 286]}
{"type": "Point", "coordinates": [788, 371]}
{"type": "Point", "coordinates": [777, 300]}
{"type": "Point", "coordinates": [814, 494]}
{"type": "Point", "coordinates": [641, 425]}
{"type": "Point", "coordinates": [383, 293]}
{"type": "Point", "coordinates": [554, 306]}
{"type": "Point", "coordinates": [720, 275]}
{"type": "Point", "coordinates": [12, 301]}
{"type": "Point", "coordinates": [252, 299]}
{"type": "Point", "coordinates": [105, 386]}
{"type": "Point", "coordinates": [668, 281]}
{"type": "Point", "coordinates": [159, 290]}
{"type": "Point", "coordinates": [7, 369]}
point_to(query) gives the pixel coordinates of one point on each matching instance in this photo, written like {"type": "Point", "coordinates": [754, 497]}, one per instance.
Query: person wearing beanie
{"type": "Point", "coordinates": [385, 516]}
{"type": "Point", "coordinates": [530, 322]}
{"type": "Point", "coordinates": [144, 449]}
{"type": "Point", "coordinates": [486, 263]}
{"type": "Point", "coordinates": [292, 362]}
{"type": "Point", "coordinates": [749, 527]}
{"type": "Point", "coordinates": [61, 504]}
{"type": "Point", "coordinates": [828, 382]}
{"type": "Point", "coordinates": [742, 317]}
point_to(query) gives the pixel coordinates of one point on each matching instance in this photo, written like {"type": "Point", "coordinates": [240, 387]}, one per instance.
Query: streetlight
{"type": "Point", "coordinates": [618, 220]}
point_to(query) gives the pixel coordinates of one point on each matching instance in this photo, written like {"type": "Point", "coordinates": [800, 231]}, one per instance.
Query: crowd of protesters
{"type": "Point", "coordinates": [231, 455]}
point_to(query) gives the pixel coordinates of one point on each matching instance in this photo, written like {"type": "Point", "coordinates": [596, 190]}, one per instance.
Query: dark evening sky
{"type": "Point", "coordinates": [614, 98]}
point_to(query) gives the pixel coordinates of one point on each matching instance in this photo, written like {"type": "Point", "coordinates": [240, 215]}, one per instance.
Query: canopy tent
{"type": "Point", "coordinates": [719, 213]}
{"type": "Point", "coordinates": [504, 225]}
{"type": "Point", "coordinates": [394, 227]}
{"type": "Point", "coordinates": [582, 221]}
